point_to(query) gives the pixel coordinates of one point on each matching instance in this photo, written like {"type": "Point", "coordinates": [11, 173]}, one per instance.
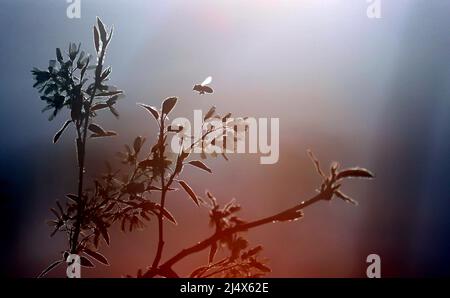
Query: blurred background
{"type": "Point", "coordinates": [361, 91]}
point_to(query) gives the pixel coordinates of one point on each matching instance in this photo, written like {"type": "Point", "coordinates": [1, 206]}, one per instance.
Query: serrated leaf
{"type": "Point", "coordinates": [98, 256]}
{"type": "Point", "coordinates": [60, 131]}
{"type": "Point", "coordinates": [190, 192]}
{"type": "Point", "coordinates": [168, 105]}
{"type": "Point", "coordinates": [201, 165]}
{"type": "Point", "coordinates": [354, 173]}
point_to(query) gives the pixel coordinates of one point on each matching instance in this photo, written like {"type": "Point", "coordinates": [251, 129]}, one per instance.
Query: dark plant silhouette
{"type": "Point", "coordinates": [66, 83]}
{"type": "Point", "coordinates": [133, 196]}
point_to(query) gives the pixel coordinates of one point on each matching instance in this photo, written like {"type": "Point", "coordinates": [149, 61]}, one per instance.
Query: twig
{"type": "Point", "coordinates": [325, 195]}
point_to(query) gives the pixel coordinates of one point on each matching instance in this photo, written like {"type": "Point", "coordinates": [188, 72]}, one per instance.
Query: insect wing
{"type": "Point", "coordinates": [207, 81]}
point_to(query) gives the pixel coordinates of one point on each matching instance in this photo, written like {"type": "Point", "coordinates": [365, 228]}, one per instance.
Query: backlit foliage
{"type": "Point", "coordinates": [132, 197]}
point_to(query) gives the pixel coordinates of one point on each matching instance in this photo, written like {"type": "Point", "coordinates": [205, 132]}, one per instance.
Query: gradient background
{"type": "Point", "coordinates": [374, 93]}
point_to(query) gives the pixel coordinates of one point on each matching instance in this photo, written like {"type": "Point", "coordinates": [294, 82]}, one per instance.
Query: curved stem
{"type": "Point", "coordinates": [324, 195]}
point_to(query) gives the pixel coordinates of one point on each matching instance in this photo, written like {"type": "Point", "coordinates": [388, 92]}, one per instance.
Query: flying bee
{"type": "Point", "coordinates": [202, 88]}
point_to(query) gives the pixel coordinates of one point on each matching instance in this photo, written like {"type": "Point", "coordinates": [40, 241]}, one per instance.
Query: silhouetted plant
{"type": "Point", "coordinates": [128, 198]}
{"type": "Point", "coordinates": [66, 83]}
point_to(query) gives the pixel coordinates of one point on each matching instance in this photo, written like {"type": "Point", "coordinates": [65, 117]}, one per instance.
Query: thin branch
{"type": "Point", "coordinates": [316, 163]}
{"type": "Point", "coordinates": [325, 195]}
{"type": "Point", "coordinates": [80, 206]}
{"type": "Point", "coordinates": [160, 247]}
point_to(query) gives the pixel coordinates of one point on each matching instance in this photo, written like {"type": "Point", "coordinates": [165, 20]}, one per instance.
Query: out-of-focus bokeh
{"type": "Point", "coordinates": [361, 91]}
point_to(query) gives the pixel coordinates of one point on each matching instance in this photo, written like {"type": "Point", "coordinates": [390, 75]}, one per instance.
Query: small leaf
{"type": "Point", "coordinates": [212, 252]}
{"type": "Point", "coordinates": [105, 235]}
{"type": "Point", "coordinates": [85, 262]}
{"type": "Point", "coordinates": [110, 35]}
{"type": "Point", "coordinates": [168, 105]}
{"type": "Point", "coordinates": [98, 256]}
{"type": "Point", "coordinates": [60, 131]}
{"type": "Point", "coordinates": [210, 113]}
{"type": "Point", "coordinates": [72, 197]}
{"type": "Point", "coordinates": [86, 65]}
{"type": "Point", "coordinates": [103, 231]}
{"type": "Point", "coordinates": [73, 51]}
{"type": "Point", "coordinates": [105, 73]}
{"type": "Point", "coordinates": [138, 142]}
{"type": "Point", "coordinates": [167, 215]}
{"type": "Point", "coordinates": [49, 268]}
{"type": "Point", "coordinates": [99, 132]}
{"type": "Point", "coordinates": [109, 93]}
{"type": "Point", "coordinates": [190, 192]}
{"type": "Point", "coordinates": [102, 30]}
{"type": "Point", "coordinates": [114, 112]}
{"type": "Point", "coordinates": [97, 129]}
{"type": "Point", "coordinates": [81, 60]}
{"type": "Point", "coordinates": [108, 133]}
{"type": "Point", "coordinates": [59, 55]}
{"type": "Point", "coordinates": [201, 165]}
{"type": "Point", "coordinates": [151, 109]}
{"type": "Point", "coordinates": [99, 106]}
{"type": "Point", "coordinates": [96, 40]}
{"type": "Point", "coordinates": [354, 173]}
